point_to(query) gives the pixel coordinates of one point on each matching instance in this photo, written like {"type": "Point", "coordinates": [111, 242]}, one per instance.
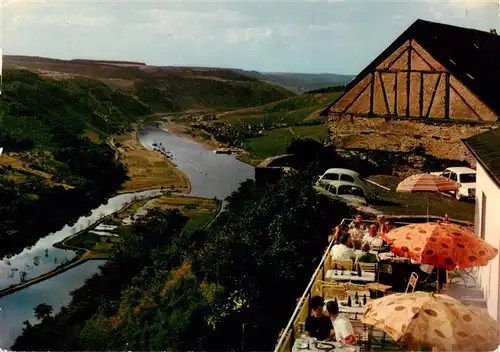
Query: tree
{"type": "Point", "coordinates": [43, 310]}
{"type": "Point", "coordinates": [268, 240]}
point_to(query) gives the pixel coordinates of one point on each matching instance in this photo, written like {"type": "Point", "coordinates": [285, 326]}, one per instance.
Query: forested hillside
{"type": "Point", "coordinates": [163, 89]}
{"type": "Point", "coordinates": [50, 172]}
{"type": "Point", "coordinates": [168, 289]}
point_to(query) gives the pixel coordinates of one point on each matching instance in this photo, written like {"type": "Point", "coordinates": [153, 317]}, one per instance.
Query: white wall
{"type": "Point", "coordinates": [489, 275]}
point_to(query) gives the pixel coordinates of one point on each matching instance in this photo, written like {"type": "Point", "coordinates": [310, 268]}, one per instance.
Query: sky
{"type": "Point", "coordinates": [310, 36]}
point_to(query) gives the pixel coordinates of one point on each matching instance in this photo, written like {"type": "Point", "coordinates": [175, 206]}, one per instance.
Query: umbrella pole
{"type": "Point", "coordinates": [427, 197]}
{"type": "Point", "coordinates": [437, 281]}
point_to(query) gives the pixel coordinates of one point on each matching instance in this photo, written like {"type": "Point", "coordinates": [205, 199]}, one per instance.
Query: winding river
{"type": "Point", "coordinates": [211, 175]}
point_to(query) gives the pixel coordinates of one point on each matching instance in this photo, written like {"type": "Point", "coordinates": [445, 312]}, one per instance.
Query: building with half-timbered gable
{"type": "Point", "coordinates": [434, 85]}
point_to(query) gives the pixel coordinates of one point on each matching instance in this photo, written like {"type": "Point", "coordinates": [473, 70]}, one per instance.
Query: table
{"type": "Point", "coordinates": [338, 347]}
{"type": "Point", "coordinates": [359, 251]}
{"type": "Point", "coordinates": [349, 276]}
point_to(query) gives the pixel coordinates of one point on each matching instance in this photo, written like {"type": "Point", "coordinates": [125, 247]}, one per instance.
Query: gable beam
{"type": "Point", "coordinates": [398, 57]}
{"type": "Point", "coordinates": [396, 70]}
{"type": "Point", "coordinates": [466, 103]}
{"type": "Point", "coordinates": [408, 80]}
{"type": "Point", "coordinates": [433, 96]}
{"type": "Point", "coordinates": [424, 60]}
{"type": "Point", "coordinates": [384, 94]}
{"type": "Point", "coordinates": [372, 91]}
{"type": "Point", "coordinates": [357, 97]}
{"type": "Point", "coordinates": [421, 97]}
{"type": "Point", "coordinates": [396, 94]}
{"type": "Point", "coordinates": [447, 96]}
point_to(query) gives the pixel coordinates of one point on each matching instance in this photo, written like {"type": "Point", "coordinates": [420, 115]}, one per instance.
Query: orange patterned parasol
{"type": "Point", "coordinates": [443, 245]}
{"type": "Point", "coordinates": [422, 319]}
{"type": "Point", "coordinates": [427, 183]}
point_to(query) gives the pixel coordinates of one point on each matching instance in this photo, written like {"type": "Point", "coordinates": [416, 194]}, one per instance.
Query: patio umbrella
{"type": "Point", "coordinates": [427, 183]}
{"type": "Point", "coordinates": [443, 245]}
{"type": "Point", "coordinates": [422, 319]}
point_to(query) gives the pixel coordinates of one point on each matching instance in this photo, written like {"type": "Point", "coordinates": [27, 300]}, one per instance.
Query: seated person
{"type": "Point", "coordinates": [342, 328]}
{"type": "Point", "coordinates": [357, 230]}
{"type": "Point", "coordinates": [383, 226]}
{"type": "Point", "coordinates": [372, 238]}
{"type": "Point", "coordinates": [429, 273]}
{"type": "Point", "coordinates": [339, 231]}
{"type": "Point", "coordinates": [341, 250]}
{"type": "Point", "coordinates": [366, 256]}
{"type": "Point", "coordinates": [317, 324]}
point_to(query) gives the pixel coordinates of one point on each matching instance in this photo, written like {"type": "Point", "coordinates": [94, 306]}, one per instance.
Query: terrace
{"type": "Point", "coordinates": [461, 285]}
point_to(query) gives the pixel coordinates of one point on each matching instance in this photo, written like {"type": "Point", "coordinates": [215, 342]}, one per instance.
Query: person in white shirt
{"type": "Point", "coordinates": [372, 238]}
{"type": "Point", "coordinates": [341, 250]}
{"type": "Point", "coordinates": [342, 328]}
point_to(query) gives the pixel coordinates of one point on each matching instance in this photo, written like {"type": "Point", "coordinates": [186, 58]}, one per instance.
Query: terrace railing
{"type": "Point", "coordinates": [301, 312]}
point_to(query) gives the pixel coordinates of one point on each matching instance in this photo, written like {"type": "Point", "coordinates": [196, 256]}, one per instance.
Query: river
{"type": "Point", "coordinates": [211, 175]}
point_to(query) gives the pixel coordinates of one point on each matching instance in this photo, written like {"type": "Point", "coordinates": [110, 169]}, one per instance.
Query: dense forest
{"type": "Point", "coordinates": [44, 125]}
{"type": "Point", "coordinates": [230, 286]}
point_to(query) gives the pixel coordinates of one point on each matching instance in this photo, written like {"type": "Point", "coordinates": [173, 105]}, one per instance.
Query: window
{"type": "Point", "coordinates": [446, 174]}
{"type": "Point", "coordinates": [351, 190]}
{"type": "Point", "coordinates": [468, 178]}
{"type": "Point", "coordinates": [331, 177]}
{"type": "Point", "coordinates": [346, 178]}
{"type": "Point", "coordinates": [453, 176]}
{"type": "Point", "coordinates": [331, 189]}
{"type": "Point", "coordinates": [483, 216]}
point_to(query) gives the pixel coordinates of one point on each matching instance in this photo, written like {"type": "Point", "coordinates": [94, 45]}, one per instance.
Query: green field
{"type": "Point", "coordinates": [276, 141]}
{"type": "Point", "coordinates": [392, 202]}
{"type": "Point", "coordinates": [291, 110]}
{"type": "Point", "coordinates": [282, 121]}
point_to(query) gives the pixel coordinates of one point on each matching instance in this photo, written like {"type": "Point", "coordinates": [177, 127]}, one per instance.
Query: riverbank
{"type": "Point", "coordinates": [147, 169]}
{"type": "Point", "coordinates": [83, 255]}
{"type": "Point", "coordinates": [201, 213]}
{"type": "Point", "coordinates": [210, 144]}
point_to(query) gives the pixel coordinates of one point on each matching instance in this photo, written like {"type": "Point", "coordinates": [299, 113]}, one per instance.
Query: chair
{"type": "Point", "coordinates": [369, 268]}
{"type": "Point", "coordinates": [362, 333]}
{"type": "Point", "coordinates": [328, 263]}
{"type": "Point", "coordinates": [412, 282]}
{"type": "Point", "coordinates": [467, 276]}
{"type": "Point", "coordinates": [334, 292]}
{"type": "Point", "coordinates": [384, 269]}
{"type": "Point", "coordinates": [355, 287]}
{"type": "Point", "coordinates": [347, 264]}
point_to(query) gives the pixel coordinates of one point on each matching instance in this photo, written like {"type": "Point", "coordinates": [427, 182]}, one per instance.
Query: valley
{"type": "Point", "coordinates": [145, 236]}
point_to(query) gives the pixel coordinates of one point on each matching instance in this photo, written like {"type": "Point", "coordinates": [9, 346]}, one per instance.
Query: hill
{"type": "Point", "coordinates": [163, 89]}
{"type": "Point", "coordinates": [300, 82]}
{"type": "Point", "coordinates": [48, 159]}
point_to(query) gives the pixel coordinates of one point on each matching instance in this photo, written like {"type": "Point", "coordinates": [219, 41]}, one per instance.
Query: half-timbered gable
{"type": "Point", "coordinates": [432, 73]}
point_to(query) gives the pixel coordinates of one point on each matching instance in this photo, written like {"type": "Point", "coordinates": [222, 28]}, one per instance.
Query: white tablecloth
{"type": "Point", "coordinates": [338, 347]}
{"type": "Point", "coordinates": [349, 276]}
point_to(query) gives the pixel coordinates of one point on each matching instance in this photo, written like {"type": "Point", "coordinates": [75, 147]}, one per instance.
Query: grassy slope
{"type": "Point", "coordinates": [294, 112]}
{"type": "Point", "coordinates": [392, 202]}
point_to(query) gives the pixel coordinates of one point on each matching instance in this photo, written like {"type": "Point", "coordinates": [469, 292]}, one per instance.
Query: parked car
{"type": "Point", "coordinates": [466, 178]}
{"type": "Point", "coordinates": [346, 191]}
{"type": "Point", "coordinates": [344, 175]}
